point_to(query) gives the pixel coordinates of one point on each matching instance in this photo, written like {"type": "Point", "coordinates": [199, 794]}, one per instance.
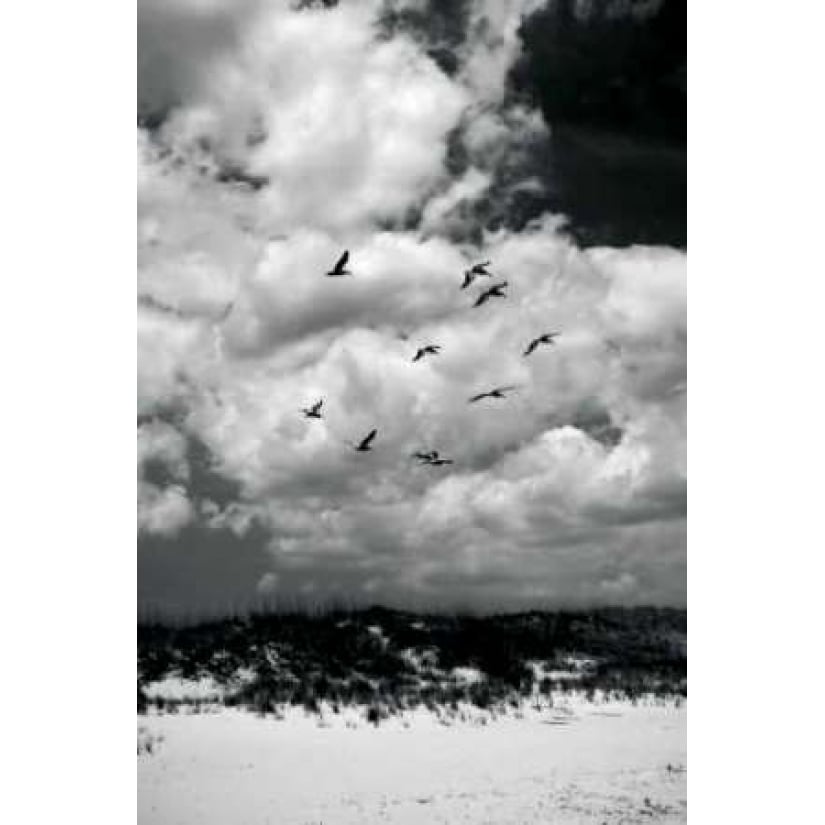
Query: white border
{"type": "Point", "coordinates": [68, 343]}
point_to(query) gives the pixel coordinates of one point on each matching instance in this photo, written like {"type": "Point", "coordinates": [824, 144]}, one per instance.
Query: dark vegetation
{"type": "Point", "coordinates": [388, 660]}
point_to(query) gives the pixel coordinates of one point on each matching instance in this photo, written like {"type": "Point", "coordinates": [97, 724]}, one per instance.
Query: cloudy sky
{"type": "Point", "coordinates": [271, 138]}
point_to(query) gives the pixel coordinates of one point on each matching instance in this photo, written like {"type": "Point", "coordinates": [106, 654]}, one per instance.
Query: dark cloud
{"type": "Point", "coordinates": [176, 42]}
{"type": "Point", "coordinates": [595, 420]}
{"type": "Point", "coordinates": [605, 66]}
{"type": "Point", "coordinates": [611, 83]}
{"type": "Point", "coordinates": [439, 25]}
{"type": "Point", "coordinates": [200, 570]}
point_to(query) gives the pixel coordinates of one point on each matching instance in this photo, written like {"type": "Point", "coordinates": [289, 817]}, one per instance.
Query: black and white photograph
{"type": "Point", "coordinates": [412, 412]}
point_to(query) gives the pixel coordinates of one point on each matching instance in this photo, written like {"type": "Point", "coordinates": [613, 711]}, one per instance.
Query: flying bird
{"type": "Point", "coordinates": [494, 291]}
{"type": "Point", "coordinates": [364, 446]}
{"type": "Point", "coordinates": [314, 411]}
{"type": "Point", "coordinates": [430, 349]}
{"type": "Point", "coordinates": [432, 458]}
{"type": "Point", "coordinates": [498, 392]}
{"type": "Point", "coordinates": [547, 338]}
{"type": "Point", "coordinates": [474, 272]}
{"type": "Point", "coordinates": [425, 458]}
{"type": "Point", "coordinates": [340, 267]}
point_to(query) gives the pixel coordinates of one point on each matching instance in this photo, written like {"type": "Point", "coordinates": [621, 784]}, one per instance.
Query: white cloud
{"type": "Point", "coordinates": [442, 213]}
{"type": "Point", "coordinates": [159, 442]}
{"type": "Point", "coordinates": [351, 133]}
{"type": "Point", "coordinates": [493, 45]}
{"type": "Point", "coordinates": [268, 584]}
{"type": "Point", "coordinates": [163, 511]}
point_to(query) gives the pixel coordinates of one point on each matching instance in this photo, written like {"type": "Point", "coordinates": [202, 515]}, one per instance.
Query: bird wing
{"type": "Point", "coordinates": [418, 355]}
{"type": "Point", "coordinates": [368, 440]}
{"type": "Point", "coordinates": [342, 262]}
{"type": "Point", "coordinates": [478, 397]}
{"type": "Point", "coordinates": [468, 279]}
{"type": "Point", "coordinates": [482, 298]}
{"type": "Point", "coordinates": [317, 407]}
{"type": "Point", "coordinates": [531, 346]}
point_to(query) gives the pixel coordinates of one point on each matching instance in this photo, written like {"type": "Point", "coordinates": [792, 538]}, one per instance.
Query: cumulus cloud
{"type": "Point", "coordinates": [288, 135]}
{"type": "Point", "coordinates": [163, 511]}
{"type": "Point", "coordinates": [162, 445]}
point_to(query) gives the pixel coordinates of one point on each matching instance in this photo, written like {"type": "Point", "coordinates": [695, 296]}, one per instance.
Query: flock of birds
{"type": "Point", "coordinates": [433, 458]}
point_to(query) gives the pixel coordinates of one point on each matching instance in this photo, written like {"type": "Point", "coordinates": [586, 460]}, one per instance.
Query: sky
{"type": "Point", "coordinates": [274, 135]}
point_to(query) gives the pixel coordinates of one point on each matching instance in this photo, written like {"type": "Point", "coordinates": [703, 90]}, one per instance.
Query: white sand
{"type": "Point", "coordinates": [579, 763]}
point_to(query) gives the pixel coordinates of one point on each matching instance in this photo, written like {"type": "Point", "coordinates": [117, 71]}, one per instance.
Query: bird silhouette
{"type": "Point", "coordinates": [314, 411]}
{"type": "Point", "coordinates": [498, 392]}
{"type": "Point", "coordinates": [547, 338]}
{"type": "Point", "coordinates": [364, 446]}
{"type": "Point", "coordinates": [494, 291]}
{"type": "Point", "coordinates": [340, 267]}
{"type": "Point", "coordinates": [431, 458]}
{"type": "Point", "coordinates": [425, 457]}
{"type": "Point", "coordinates": [430, 349]}
{"type": "Point", "coordinates": [474, 272]}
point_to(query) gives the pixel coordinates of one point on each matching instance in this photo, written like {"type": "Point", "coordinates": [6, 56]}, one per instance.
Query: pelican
{"type": "Point", "coordinates": [340, 267]}
{"type": "Point", "coordinates": [425, 457]}
{"type": "Point", "coordinates": [314, 411]}
{"type": "Point", "coordinates": [432, 458]}
{"type": "Point", "coordinates": [494, 291]}
{"type": "Point", "coordinates": [498, 392]}
{"type": "Point", "coordinates": [364, 446]}
{"type": "Point", "coordinates": [474, 272]}
{"type": "Point", "coordinates": [547, 338]}
{"type": "Point", "coordinates": [430, 349]}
